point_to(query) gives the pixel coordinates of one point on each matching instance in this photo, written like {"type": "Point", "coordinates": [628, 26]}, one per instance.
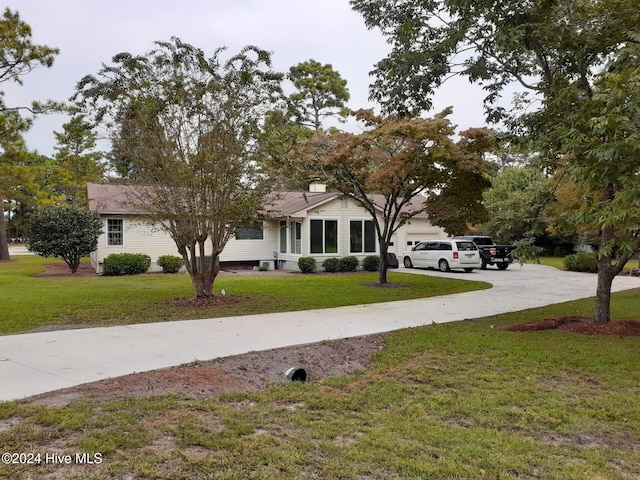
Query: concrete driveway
{"type": "Point", "coordinates": [41, 362]}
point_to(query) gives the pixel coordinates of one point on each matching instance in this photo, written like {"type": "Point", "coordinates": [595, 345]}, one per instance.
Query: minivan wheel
{"type": "Point", "coordinates": [443, 265]}
{"type": "Point", "coordinates": [407, 262]}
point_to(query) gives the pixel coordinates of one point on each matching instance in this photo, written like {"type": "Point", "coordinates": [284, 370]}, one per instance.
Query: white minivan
{"type": "Point", "coordinates": [444, 255]}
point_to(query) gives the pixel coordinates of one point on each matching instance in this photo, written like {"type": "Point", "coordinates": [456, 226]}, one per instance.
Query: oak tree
{"type": "Point", "coordinates": [573, 66]}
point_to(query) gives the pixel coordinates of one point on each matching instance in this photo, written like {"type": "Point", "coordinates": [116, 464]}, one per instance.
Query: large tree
{"type": "Point", "coordinates": [399, 167]}
{"type": "Point", "coordinates": [188, 125]}
{"type": "Point", "coordinates": [574, 63]}
{"type": "Point", "coordinates": [18, 56]}
{"type": "Point", "coordinates": [321, 93]}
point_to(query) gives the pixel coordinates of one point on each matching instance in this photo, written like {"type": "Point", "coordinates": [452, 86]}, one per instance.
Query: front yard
{"type": "Point", "coordinates": [30, 301]}
{"type": "Point", "coordinates": [462, 400]}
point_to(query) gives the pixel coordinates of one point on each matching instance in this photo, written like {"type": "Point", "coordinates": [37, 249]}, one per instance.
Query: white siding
{"type": "Point", "coordinates": [140, 236]}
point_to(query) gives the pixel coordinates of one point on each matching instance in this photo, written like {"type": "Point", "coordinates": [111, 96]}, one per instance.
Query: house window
{"type": "Point", "coordinates": [296, 238]}
{"type": "Point", "coordinates": [324, 236]}
{"type": "Point", "coordinates": [115, 231]}
{"type": "Point", "coordinates": [250, 232]}
{"type": "Point", "coordinates": [362, 236]}
{"type": "Point", "coordinates": [283, 236]}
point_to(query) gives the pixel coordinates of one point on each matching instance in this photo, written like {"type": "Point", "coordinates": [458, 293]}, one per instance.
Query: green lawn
{"type": "Point", "coordinates": [463, 400]}
{"type": "Point", "coordinates": [30, 302]}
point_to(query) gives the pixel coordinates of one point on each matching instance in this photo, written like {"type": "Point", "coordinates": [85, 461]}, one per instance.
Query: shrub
{"type": "Point", "coordinates": [371, 263]}
{"type": "Point", "coordinates": [349, 264]}
{"type": "Point", "coordinates": [126, 264]}
{"type": "Point", "coordinates": [170, 263]}
{"type": "Point", "coordinates": [581, 262]}
{"type": "Point", "coordinates": [264, 267]}
{"type": "Point", "coordinates": [66, 233]}
{"type": "Point", "coordinates": [307, 264]}
{"type": "Point", "coordinates": [331, 265]}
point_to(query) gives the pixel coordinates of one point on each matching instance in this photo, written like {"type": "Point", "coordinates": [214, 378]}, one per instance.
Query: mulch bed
{"type": "Point", "coordinates": [585, 325]}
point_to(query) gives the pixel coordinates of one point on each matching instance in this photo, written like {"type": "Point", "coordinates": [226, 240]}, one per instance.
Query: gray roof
{"type": "Point", "coordinates": [117, 200]}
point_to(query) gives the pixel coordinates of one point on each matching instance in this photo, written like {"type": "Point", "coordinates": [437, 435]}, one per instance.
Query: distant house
{"type": "Point", "coordinates": [316, 223]}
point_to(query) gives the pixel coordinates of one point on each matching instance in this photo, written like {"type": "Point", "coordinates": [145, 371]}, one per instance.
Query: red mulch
{"type": "Point", "coordinates": [585, 325]}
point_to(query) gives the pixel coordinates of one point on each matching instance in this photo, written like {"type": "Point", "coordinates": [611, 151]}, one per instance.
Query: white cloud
{"type": "Point", "coordinates": [89, 33]}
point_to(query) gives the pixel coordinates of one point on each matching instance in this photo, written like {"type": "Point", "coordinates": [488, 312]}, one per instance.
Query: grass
{"type": "Point", "coordinates": [30, 302]}
{"type": "Point", "coordinates": [462, 400]}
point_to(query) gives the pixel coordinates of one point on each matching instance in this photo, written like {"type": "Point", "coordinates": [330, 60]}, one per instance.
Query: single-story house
{"type": "Point", "coordinates": [316, 223]}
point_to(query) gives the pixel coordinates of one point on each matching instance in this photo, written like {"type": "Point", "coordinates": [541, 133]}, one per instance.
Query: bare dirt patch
{"type": "Point", "coordinates": [585, 325]}
{"type": "Point", "coordinates": [249, 372]}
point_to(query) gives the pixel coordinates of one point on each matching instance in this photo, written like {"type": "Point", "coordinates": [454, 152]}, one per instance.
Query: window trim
{"type": "Point", "coordinates": [250, 229]}
{"type": "Point", "coordinates": [363, 250]}
{"type": "Point", "coordinates": [324, 236]}
{"type": "Point", "coordinates": [110, 232]}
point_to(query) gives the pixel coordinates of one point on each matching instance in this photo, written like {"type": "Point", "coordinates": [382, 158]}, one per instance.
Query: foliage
{"type": "Point", "coordinates": [18, 56]}
{"type": "Point", "coordinates": [322, 93]}
{"type": "Point", "coordinates": [170, 263]}
{"type": "Point", "coordinates": [187, 126]}
{"type": "Point", "coordinates": [581, 262]}
{"type": "Point", "coordinates": [331, 265]}
{"type": "Point", "coordinates": [307, 264]}
{"type": "Point", "coordinates": [390, 167]}
{"type": "Point", "coordinates": [65, 233]}
{"type": "Point", "coordinates": [578, 66]}
{"type": "Point", "coordinates": [349, 264]}
{"type": "Point", "coordinates": [125, 264]}
{"type": "Point", "coordinates": [371, 263]}
{"type": "Point", "coordinates": [515, 203]}
{"type": "Point", "coordinates": [75, 163]}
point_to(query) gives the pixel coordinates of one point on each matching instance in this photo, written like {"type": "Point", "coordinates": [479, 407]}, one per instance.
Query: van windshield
{"type": "Point", "coordinates": [462, 246]}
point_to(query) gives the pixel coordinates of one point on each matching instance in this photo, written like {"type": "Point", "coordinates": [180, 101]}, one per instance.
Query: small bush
{"type": "Point", "coordinates": [170, 263]}
{"type": "Point", "coordinates": [371, 263]}
{"type": "Point", "coordinates": [349, 264]}
{"type": "Point", "coordinates": [307, 264]}
{"type": "Point", "coordinates": [126, 264]}
{"type": "Point", "coordinates": [581, 262]}
{"type": "Point", "coordinates": [331, 265]}
{"type": "Point", "coordinates": [264, 267]}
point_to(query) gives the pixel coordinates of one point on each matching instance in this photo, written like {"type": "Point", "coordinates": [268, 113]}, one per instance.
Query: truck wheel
{"type": "Point", "coordinates": [468, 270]}
{"type": "Point", "coordinates": [443, 265]}
{"type": "Point", "coordinates": [503, 266]}
{"type": "Point", "coordinates": [484, 265]}
{"type": "Point", "coordinates": [407, 262]}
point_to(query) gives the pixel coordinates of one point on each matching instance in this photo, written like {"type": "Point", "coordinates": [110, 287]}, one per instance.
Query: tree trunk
{"type": "Point", "coordinates": [4, 239]}
{"type": "Point", "coordinates": [382, 277]}
{"type": "Point", "coordinates": [603, 291]}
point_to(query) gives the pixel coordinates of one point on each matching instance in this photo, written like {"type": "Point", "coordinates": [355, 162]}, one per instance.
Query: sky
{"type": "Point", "coordinates": [89, 33]}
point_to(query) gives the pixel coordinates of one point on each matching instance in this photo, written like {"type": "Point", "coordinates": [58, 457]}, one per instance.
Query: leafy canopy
{"type": "Point", "coordinates": [184, 128]}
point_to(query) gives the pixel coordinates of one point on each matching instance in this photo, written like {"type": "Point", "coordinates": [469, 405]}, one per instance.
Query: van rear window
{"type": "Point", "coordinates": [462, 246]}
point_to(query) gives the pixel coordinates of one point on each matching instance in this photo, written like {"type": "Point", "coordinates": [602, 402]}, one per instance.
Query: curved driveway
{"type": "Point", "coordinates": [41, 362]}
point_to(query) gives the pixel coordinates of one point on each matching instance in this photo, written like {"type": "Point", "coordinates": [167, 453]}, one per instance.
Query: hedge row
{"type": "Point", "coordinates": [344, 264]}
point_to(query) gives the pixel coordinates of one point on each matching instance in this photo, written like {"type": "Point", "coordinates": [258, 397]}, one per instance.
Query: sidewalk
{"type": "Point", "coordinates": [40, 362]}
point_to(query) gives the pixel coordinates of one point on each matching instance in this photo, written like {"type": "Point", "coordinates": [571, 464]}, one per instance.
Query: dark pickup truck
{"type": "Point", "coordinates": [492, 254]}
